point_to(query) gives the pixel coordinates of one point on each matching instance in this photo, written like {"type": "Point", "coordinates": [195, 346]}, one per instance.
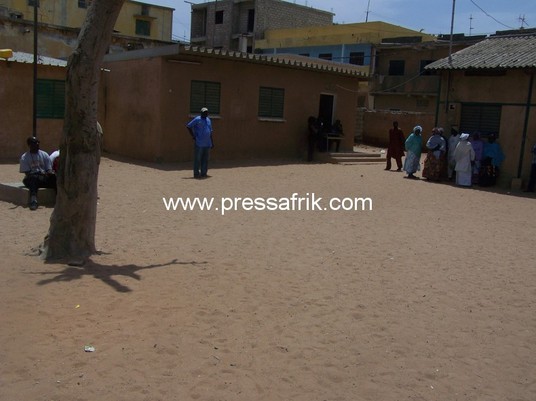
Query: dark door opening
{"type": "Point", "coordinates": [251, 20]}
{"type": "Point", "coordinates": [325, 112]}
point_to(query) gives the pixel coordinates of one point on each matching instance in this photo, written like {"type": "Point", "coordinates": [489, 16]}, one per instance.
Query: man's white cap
{"type": "Point", "coordinates": [204, 109]}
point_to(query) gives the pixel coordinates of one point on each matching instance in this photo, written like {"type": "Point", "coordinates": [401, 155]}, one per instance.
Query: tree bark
{"type": "Point", "coordinates": [71, 234]}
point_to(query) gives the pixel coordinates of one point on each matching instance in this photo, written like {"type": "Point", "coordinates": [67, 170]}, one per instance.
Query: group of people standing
{"type": "Point", "coordinates": [465, 158]}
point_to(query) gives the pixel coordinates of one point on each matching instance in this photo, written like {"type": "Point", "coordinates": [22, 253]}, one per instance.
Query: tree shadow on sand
{"type": "Point", "coordinates": [106, 273]}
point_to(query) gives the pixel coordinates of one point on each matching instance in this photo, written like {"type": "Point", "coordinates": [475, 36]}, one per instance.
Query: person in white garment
{"type": "Point", "coordinates": [464, 156]}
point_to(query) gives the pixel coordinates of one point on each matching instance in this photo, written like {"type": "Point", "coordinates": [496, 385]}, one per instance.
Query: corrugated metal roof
{"type": "Point", "coordinates": [172, 52]}
{"type": "Point", "coordinates": [501, 52]}
{"type": "Point", "coordinates": [282, 59]}
{"type": "Point", "coordinates": [20, 57]}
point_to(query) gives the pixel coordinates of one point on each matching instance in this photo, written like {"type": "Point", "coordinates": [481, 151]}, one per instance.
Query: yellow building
{"type": "Point", "coordinates": [346, 43]}
{"type": "Point", "coordinates": [364, 32]}
{"type": "Point", "coordinates": [136, 19]}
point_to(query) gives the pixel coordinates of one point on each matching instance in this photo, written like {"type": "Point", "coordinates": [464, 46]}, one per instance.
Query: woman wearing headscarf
{"type": "Point", "coordinates": [464, 156]}
{"type": "Point", "coordinates": [478, 147]}
{"type": "Point", "coordinates": [444, 160]}
{"type": "Point", "coordinates": [434, 162]}
{"type": "Point", "coordinates": [413, 148]}
{"type": "Point", "coordinates": [491, 161]}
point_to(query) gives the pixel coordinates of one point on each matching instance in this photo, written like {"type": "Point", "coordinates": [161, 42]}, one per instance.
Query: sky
{"type": "Point", "coordinates": [471, 17]}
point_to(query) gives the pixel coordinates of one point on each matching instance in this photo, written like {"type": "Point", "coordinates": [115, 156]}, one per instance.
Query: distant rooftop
{"type": "Point", "coordinates": [496, 52]}
{"type": "Point", "coordinates": [28, 58]}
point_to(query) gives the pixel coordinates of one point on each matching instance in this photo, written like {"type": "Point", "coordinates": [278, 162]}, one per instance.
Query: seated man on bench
{"type": "Point", "coordinates": [37, 169]}
{"type": "Point", "coordinates": [335, 136]}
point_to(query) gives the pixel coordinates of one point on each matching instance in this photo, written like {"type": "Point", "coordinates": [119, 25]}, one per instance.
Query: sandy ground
{"type": "Point", "coordinates": [428, 296]}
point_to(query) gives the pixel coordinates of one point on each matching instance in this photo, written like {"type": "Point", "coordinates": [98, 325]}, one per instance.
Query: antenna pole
{"type": "Point", "coordinates": [470, 24]}
{"type": "Point", "coordinates": [451, 30]}
{"type": "Point", "coordinates": [34, 120]}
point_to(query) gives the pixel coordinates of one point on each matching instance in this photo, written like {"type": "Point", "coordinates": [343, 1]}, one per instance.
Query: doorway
{"type": "Point", "coordinates": [325, 111]}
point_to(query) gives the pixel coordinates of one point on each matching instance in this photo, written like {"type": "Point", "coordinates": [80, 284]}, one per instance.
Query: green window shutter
{"type": "Point", "coordinates": [50, 98]}
{"type": "Point", "coordinates": [205, 94]}
{"type": "Point", "coordinates": [271, 102]}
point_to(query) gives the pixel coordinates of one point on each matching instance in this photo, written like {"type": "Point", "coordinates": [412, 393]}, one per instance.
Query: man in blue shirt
{"type": "Point", "coordinates": [201, 131]}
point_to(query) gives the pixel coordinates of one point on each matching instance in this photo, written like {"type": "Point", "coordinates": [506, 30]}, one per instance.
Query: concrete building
{"type": "Point", "coordinates": [239, 24]}
{"type": "Point", "coordinates": [58, 42]}
{"type": "Point", "coordinates": [16, 102]}
{"type": "Point", "coordinates": [345, 43]}
{"type": "Point", "coordinates": [367, 45]}
{"type": "Point", "coordinates": [490, 87]}
{"type": "Point", "coordinates": [136, 19]}
{"type": "Point", "coordinates": [259, 105]}
{"type": "Point", "coordinates": [400, 81]}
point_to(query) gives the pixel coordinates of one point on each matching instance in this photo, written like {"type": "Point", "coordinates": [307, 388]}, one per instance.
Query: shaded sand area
{"type": "Point", "coordinates": [428, 296]}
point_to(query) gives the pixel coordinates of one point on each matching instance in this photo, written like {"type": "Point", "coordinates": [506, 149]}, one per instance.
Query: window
{"type": "Point", "coordinates": [15, 15]}
{"type": "Point", "coordinates": [218, 17]}
{"type": "Point", "coordinates": [396, 67]}
{"type": "Point", "coordinates": [325, 56]}
{"type": "Point", "coordinates": [424, 63]}
{"type": "Point", "coordinates": [50, 98]}
{"type": "Point", "coordinates": [143, 27]}
{"type": "Point", "coordinates": [84, 3]}
{"type": "Point", "coordinates": [357, 58]}
{"type": "Point", "coordinates": [271, 102]}
{"type": "Point", "coordinates": [251, 20]}
{"type": "Point", "coordinates": [483, 118]}
{"type": "Point", "coordinates": [205, 94]}
{"type": "Point", "coordinates": [144, 9]}
{"type": "Point", "coordinates": [33, 3]}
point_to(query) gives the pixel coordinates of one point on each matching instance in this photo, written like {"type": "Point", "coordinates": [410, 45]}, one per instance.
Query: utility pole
{"type": "Point", "coordinates": [470, 24]}
{"type": "Point", "coordinates": [34, 125]}
{"type": "Point", "coordinates": [451, 31]}
{"type": "Point", "coordinates": [368, 11]}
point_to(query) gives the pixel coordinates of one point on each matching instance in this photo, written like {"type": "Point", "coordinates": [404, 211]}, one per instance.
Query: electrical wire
{"type": "Point", "coordinates": [400, 84]}
{"type": "Point", "coordinates": [492, 17]}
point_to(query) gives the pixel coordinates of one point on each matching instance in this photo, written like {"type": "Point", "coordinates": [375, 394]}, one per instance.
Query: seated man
{"type": "Point", "coordinates": [37, 168]}
{"type": "Point", "coordinates": [336, 131]}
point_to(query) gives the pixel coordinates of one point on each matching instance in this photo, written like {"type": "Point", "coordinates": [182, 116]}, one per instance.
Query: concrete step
{"type": "Point", "coordinates": [353, 163]}
{"type": "Point", "coordinates": [357, 157]}
{"type": "Point", "coordinates": [356, 154]}
{"type": "Point", "coordinates": [17, 193]}
{"type": "Point", "coordinates": [358, 160]}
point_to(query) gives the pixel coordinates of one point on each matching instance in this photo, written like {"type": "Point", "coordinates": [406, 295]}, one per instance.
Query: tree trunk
{"type": "Point", "coordinates": [71, 234]}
